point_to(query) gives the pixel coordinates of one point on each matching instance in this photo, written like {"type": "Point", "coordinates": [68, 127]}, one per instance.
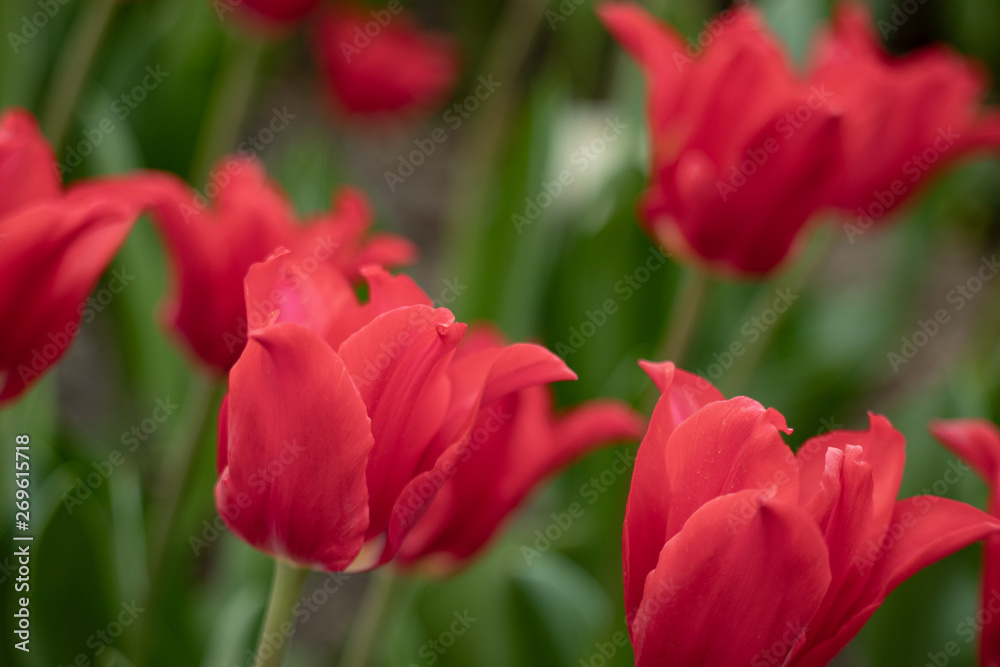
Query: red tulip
{"type": "Point", "coordinates": [517, 442]}
{"type": "Point", "coordinates": [743, 152]}
{"type": "Point", "coordinates": [383, 64]}
{"type": "Point", "coordinates": [343, 420]}
{"type": "Point", "coordinates": [725, 528]}
{"type": "Point", "coordinates": [54, 246]}
{"type": "Point", "coordinates": [904, 118]}
{"type": "Point", "coordinates": [212, 247]}
{"type": "Point", "coordinates": [978, 442]}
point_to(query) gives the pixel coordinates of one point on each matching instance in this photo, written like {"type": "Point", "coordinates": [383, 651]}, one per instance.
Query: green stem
{"type": "Point", "coordinates": [361, 639]}
{"type": "Point", "coordinates": [75, 61]}
{"type": "Point", "coordinates": [684, 315]}
{"type": "Point", "coordinates": [176, 485]}
{"type": "Point", "coordinates": [174, 488]}
{"type": "Point", "coordinates": [509, 47]}
{"type": "Point", "coordinates": [228, 105]}
{"type": "Point", "coordinates": [286, 587]}
{"type": "Point", "coordinates": [797, 278]}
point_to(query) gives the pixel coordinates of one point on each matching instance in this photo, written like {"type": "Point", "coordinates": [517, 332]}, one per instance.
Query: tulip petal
{"type": "Point", "coordinates": [27, 163]}
{"type": "Point", "coordinates": [298, 444]}
{"type": "Point", "coordinates": [51, 257]}
{"type": "Point", "coordinates": [727, 446]}
{"type": "Point", "coordinates": [518, 443]}
{"type": "Point", "coordinates": [761, 578]}
{"type": "Point", "coordinates": [884, 448]}
{"type": "Point", "coordinates": [976, 441]}
{"type": "Point", "coordinates": [645, 529]}
{"type": "Point", "coordinates": [398, 362]}
{"type": "Point", "coordinates": [923, 530]}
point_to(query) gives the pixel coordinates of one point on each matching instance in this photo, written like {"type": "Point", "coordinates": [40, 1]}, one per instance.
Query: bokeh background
{"type": "Point", "coordinates": [823, 363]}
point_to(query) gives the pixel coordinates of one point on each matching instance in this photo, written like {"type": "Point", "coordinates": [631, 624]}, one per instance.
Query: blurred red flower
{"type": "Point", "coordinates": [213, 246]}
{"type": "Point", "coordinates": [743, 152]}
{"type": "Point", "coordinates": [726, 528]}
{"type": "Point", "coordinates": [904, 118]}
{"type": "Point", "coordinates": [343, 420]}
{"type": "Point", "coordinates": [515, 444]}
{"type": "Point", "coordinates": [383, 63]}
{"type": "Point", "coordinates": [977, 441]}
{"type": "Point", "coordinates": [54, 246]}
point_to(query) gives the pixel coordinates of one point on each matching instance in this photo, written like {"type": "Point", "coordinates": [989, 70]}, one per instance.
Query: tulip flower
{"type": "Point", "coordinates": [212, 247]}
{"type": "Point", "coordinates": [726, 528]}
{"type": "Point", "coordinates": [54, 246]}
{"type": "Point", "coordinates": [383, 64]}
{"type": "Point", "coordinates": [977, 441]}
{"type": "Point", "coordinates": [344, 419]}
{"type": "Point", "coordinates": [743, 152]}
{"type": "Point", "coordinates": [904, 118]}
{"type": "Point", "coordinates": [518, 442]}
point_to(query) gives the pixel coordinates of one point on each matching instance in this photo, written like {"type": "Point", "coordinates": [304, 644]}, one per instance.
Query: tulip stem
{"type": "Point", "coordinates": [361, 639]}
{"type": "Point", "coordinates": [227, 107]}
{"type": "Point", "coordinates": [286, 587]}
{"type": "Point", "coordinates": [689, 301]}
{"type": "Point", "coordinates": [72, 66]}
{"type": "Point", "coordinates": [174, 488]}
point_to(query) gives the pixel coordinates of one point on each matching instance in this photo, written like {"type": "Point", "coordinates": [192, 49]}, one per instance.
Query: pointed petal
{"type": "Point", "coordinates": [398, 362]}
{"type": "Point", "coordinates": [27, 164]}
{"type": "Point", "coordinates": [725, 447]}
{"type": "Point", "coordinates": [299, 438]}
{"type": "Point", "coordinates": [645, 529]}
{"type": "Point", "coordinates": [51, 257]}
{"type": "Point", "coordinates": [976, 441]}
{"type": "Point", "coordinates": [761, 578]}
{"type": "Point", "coordinates": [928, 528]}
{"type": "Point", "coordinates": [884, 448]}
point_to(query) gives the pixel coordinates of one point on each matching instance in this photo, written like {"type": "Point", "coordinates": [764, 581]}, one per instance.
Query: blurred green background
{"type": "Point", "coordinates": [823, 364]}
